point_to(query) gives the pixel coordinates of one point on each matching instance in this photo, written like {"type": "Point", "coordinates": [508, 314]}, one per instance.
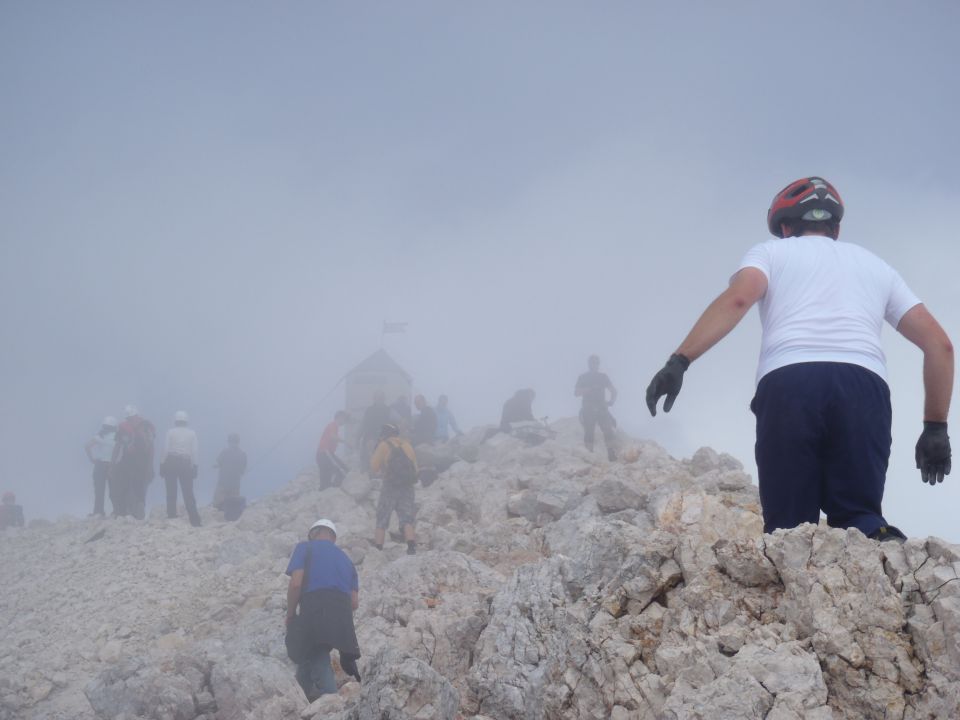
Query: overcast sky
{"type": "Point", "coordinates": [213, 207]}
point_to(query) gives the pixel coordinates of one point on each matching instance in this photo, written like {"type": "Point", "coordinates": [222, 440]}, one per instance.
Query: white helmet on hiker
{"type": "Point", "coordinates": [323, 523]}
{"type": "Point", "coordinates": [180, 416]}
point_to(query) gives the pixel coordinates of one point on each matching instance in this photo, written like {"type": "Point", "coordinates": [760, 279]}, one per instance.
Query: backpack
{"type": "Point", "coordinates": [400, 468]}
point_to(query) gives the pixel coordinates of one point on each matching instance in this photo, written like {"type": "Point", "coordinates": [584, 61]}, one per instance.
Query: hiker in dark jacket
{"type": "Point", "coordinates": [11, 514]}
{"type": "Point", "coordinates": [519, 408]}
{"type": "Point", "coordinates": [374, 418]}
{"type": "Point", "coordinates": [324, 584]}
{"type": "Point", "coordinates": [425, 424]}
{"type": "Point", "coordinates": [231, 465]}
{"type": "Point", "coordinates": [593, 388]}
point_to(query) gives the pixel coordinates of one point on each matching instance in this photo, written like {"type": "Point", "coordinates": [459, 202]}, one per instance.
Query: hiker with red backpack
{"type": "Point", "coordinates": [131, 468]}
{"type": "Point", "coordinates": [395, 462]}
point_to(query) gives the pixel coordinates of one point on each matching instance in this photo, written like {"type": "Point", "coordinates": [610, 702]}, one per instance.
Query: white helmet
{"type": "Point", "coordinates": [323, 522]}
{"type": "Point", "coordinates": [180, 417]}
{"type": "Point", "coordinates": [110, 421]}
{"type": "Point", "coordinates": [130, 411]}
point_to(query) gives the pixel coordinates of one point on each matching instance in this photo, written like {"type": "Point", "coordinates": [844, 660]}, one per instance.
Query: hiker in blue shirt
{"type": "Point", "coordinates": [445, 420]}
{"type": "Point", "coordinates": [324, 585]}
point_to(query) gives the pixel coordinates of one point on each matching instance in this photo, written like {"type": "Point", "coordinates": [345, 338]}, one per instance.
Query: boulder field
{"type": "Point", "coordinates": [549, 583]}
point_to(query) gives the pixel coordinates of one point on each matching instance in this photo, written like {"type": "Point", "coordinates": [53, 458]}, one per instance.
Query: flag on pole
{"type": "Point", "coordinates": [394, 327]}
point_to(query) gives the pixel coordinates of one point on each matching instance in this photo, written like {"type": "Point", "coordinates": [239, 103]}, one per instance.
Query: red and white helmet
{"type": "Point", "coordinates": [811, 198]}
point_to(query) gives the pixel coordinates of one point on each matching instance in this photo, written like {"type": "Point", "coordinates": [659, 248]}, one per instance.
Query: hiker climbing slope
{"type": "Point", "coordinates": [325, 587]}
{"type": "Point", "coordinates": [332, 469]}
{"type": "Point", "coordinates": [395, 461]}
{"type": "Point", "coordinates": [822, 404]}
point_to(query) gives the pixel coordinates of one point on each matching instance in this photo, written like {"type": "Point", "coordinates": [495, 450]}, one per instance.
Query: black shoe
{"type": "Point", "coordinates": [888, 533]}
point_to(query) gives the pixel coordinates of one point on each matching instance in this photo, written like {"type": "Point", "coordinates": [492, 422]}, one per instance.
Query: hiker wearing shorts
{"type": "Point", "coordinates": [395, 462]}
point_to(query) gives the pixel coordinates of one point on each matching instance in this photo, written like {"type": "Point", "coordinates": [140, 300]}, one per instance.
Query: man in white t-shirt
{"type": "Point", "coordinates": [822, 403]}
{"type": "Point", "coordinates": [179, 465]}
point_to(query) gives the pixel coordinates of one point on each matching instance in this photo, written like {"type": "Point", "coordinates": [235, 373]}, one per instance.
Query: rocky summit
{"type": "Point", "coordinates": [549, 583]}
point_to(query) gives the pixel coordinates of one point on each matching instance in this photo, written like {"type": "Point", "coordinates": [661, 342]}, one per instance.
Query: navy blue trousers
{"type": "Point", "coordinates": [823, 443]}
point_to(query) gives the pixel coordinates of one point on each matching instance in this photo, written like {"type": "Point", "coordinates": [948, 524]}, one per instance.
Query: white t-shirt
{"type": "Point", "coordinates": [825, 302]}
{"type": "Point", "coordinates": [102, 449]}
{"type": "Point", "coordinates": [182, 440]}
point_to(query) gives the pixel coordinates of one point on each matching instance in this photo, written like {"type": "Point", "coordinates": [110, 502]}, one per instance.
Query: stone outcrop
{"type": "Point", "coordinates": [549, 583]}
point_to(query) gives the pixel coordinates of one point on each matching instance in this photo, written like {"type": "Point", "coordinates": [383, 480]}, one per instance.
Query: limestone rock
{"type": "Point", "coordinates": [548, 583]}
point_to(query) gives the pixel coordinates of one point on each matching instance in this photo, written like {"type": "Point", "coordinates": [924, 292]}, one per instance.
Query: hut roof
{"type": "Point", "coordinates": [380, 362]}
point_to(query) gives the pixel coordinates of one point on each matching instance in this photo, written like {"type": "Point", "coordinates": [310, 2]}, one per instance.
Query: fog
{"type": "Point", "coordinates": [215, 206]}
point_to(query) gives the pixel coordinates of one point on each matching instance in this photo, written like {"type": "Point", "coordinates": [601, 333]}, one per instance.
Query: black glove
{"type": "Point", "coordinates": [933, 452]}
{"type": "Point", "coordinates": [667, 382]}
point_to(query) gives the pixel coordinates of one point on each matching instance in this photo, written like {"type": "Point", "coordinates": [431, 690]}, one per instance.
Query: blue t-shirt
{"type": "Point", "coordinates": [329, 567]}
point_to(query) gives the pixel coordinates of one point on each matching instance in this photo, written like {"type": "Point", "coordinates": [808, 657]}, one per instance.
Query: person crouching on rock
{"type": "Point", "coordinates": [324, 584]}
{"type": "Point", "coordinates": [395, 462]}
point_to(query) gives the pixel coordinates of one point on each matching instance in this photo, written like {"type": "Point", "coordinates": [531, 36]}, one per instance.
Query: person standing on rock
{"type": "Point", "coordinates": [445, 420]}
{"type": "Point", "coordinates": [231, 465]}
{"type": "Point", "coordinates": [425, 424]}
{"type": "Point", "coordinates": [99, 450]}
{"type": "Point", "coordinates": [395, 461]}
{"type": "Point", "coordinates": [822, 404]}
{"type": "Point", "coordinates": [592, 387]}
{"type": "Point", "coordinates": [181, 456]}
{"type": "Point", "coordinates": [324, 585]}
{"type": "Point", "coordinates": [332, 469]}
{"type": "Point", "coordinates": [131, 469]}
{"type": "Point", "coordinates": [11, 514]}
